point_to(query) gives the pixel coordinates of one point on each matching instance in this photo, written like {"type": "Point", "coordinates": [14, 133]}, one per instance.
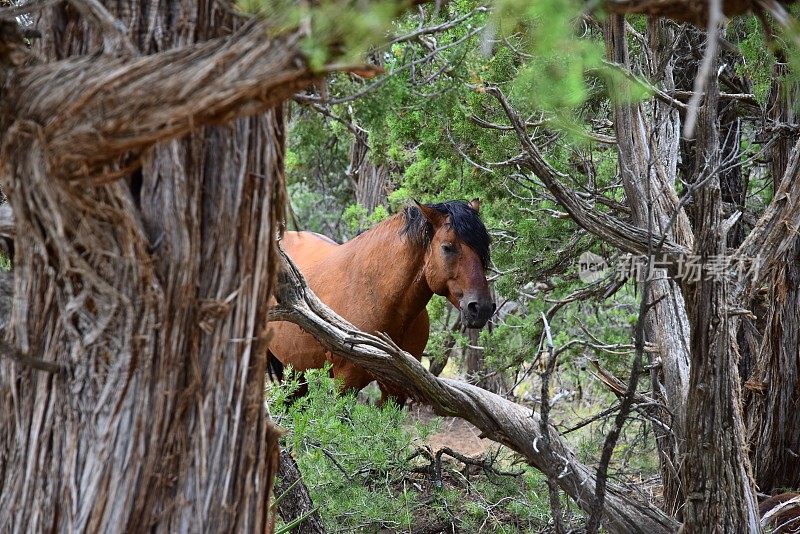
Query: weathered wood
{"type": "Point", "coordinates": [295, 501]}
{"type": "Point", "coordinates": [716, 476]}
{"type": "Point", "coordinates": [499, 419]}
{"type": "Point", "coordinates": [116, 108]}
{"type": "Point", "coordinates": [648, 168]}
{"type": "Point", "coordinates": [370, 180]}
{"type": "Point", "coordinates": [150, 290]}
{"type": "Point", "coordinates": [774, 388]}
{"type": "Point", "coordinates": [621, 234]}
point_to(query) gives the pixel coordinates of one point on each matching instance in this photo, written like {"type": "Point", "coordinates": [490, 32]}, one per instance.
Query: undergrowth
{"type": "Point", "coordinates": [359, 464]}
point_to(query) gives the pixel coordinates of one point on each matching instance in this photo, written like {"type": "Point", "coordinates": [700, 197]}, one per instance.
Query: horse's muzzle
{"type": "Point", "coordinates": [476, 312]}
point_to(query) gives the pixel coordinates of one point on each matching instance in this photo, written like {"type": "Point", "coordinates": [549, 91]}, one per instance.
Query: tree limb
{"type": "Point", "coordinates": [775, 231]}
{"type": "Point", "coordinates": [118, 107]}
{"type": "Point", "coordinates": [622, 235]}
{"type": "Point", "coordinates": [499, 419]}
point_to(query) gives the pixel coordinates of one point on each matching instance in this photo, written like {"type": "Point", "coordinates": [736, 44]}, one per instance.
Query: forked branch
{"type": "Point", "coordinates": [621, 234]}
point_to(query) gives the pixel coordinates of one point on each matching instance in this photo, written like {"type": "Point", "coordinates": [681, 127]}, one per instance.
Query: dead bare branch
{"type": "Point", "coordinates": [623, 235]}
{"type": "Point", "coordinates": [438, 28]}
{"type": "Point", "coordinates": [499, 419]}
{"type": "Point", "coordinates": [544, 410]}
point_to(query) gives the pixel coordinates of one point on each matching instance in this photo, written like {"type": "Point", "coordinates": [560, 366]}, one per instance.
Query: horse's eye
{"type": "Point", "coordinates": [449, 249]}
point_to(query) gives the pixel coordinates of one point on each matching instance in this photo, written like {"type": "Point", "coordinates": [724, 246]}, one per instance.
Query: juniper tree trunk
{"type": "Point", "coordinates": [370, 180]}
{"type": "Point", "coordinates": [295, 500]}
{"type": "Point", "coordinates": [773, 391]}
{"type": "Point", "coordinates": [716, 477]}
{"type": "Point", "coordinates": [473, 356]}
{"type": "Point", "coordinates": [150, 293]}
{"type": "Point", "coordinates": [648, 165]}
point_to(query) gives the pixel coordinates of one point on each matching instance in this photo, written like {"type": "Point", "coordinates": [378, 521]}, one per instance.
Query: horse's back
{"type": "Point", "coordinates": [291, 345]}
{"type": "Point", "coordinates": [307, 248]}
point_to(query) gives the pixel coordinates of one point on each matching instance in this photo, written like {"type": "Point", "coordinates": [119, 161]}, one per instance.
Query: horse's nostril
{"type": "Point", "coordinates": [472, 307]}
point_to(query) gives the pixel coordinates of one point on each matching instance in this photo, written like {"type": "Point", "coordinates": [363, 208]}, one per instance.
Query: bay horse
{"type": "Point", "coordinates": [382, 280]}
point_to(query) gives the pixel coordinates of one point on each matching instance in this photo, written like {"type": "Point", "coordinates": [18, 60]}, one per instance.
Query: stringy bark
{"type": "Point", "coordinates": [142, 272]}
{"type": "Point", "coordinates": [717, 481]}
{"type": "Point", "coordinates": [648, 168]}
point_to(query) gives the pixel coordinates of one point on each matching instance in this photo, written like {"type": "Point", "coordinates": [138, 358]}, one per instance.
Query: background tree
{"type": "Point", "coordinates": [620, 169]}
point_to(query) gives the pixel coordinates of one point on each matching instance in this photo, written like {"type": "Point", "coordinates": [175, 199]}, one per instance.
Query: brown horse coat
{"type": "Point", "coordinates": [380, 281]}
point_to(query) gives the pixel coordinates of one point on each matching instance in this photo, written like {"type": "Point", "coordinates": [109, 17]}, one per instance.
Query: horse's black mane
{"type": "Point", "coordinates": [464, 220]}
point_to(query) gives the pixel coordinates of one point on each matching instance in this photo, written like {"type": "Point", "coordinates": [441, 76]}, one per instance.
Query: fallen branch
{"type": "Point", "coordinates": [484, 462]}
{"type": "Point", "coordinates": [499, 419]}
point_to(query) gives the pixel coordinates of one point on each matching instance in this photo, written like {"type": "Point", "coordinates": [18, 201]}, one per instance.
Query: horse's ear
{"type": "Point", "coordinates": [475, 204]}
{"type": "Point", "coordinates": [433, 216]}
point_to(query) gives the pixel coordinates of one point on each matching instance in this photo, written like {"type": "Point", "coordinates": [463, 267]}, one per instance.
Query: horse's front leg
{"type": "Point", "coordinates": [387, 392]}
{"type": "Point", "coordinates": [351, 377]}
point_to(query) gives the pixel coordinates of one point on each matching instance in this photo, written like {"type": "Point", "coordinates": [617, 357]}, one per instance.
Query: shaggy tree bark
{"type": "Point", "coordinates": [147, 296]}
{"type": "Point", "coordinates": [499, 419]}
{"type": "Point", "coordinates": [648, 157]}
{"type": "Point", "coordinates": [293, 500]}
{"type": "Point", "coordinates": [774, 387]}
{"type": "Point", "coordinates": [719, 491]}
{"type": "Point", "coordinates": [370, 181]}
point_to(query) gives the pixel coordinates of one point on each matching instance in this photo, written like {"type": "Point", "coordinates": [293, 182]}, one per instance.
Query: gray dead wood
{"type": "Point", "coordinates": [499, 419]}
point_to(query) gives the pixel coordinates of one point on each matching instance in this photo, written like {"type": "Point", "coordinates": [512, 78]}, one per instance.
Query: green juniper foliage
{"type": "Point", "coordinates": [356, 461]}
{"type": "Point", "coordinates": [431, 122]}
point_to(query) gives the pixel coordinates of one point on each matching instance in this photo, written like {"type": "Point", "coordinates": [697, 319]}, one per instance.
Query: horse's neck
{"type": "Point", "coordinates": [394, 268]}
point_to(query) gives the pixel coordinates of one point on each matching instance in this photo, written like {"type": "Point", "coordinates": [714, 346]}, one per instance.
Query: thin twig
{"type": "Point", "coordinates": [544, 416]}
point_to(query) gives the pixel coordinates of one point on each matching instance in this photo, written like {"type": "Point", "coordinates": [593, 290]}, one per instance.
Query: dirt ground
{"type": "Point", "coordinates": [459, 435]}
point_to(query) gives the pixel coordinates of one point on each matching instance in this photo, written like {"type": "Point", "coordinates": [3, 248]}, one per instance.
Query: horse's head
{"type": "Point", "coordinates": [456, 257]}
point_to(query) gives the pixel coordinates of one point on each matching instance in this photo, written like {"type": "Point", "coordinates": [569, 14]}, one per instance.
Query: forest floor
{"type": "Point", "coordinates": [386, 470]}
{"type": "Point", "coordinates": [455, 433]}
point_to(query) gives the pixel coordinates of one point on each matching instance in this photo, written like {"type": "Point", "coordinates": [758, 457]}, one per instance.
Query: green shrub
{"type": "Point", "coordinates": [356, 462]}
